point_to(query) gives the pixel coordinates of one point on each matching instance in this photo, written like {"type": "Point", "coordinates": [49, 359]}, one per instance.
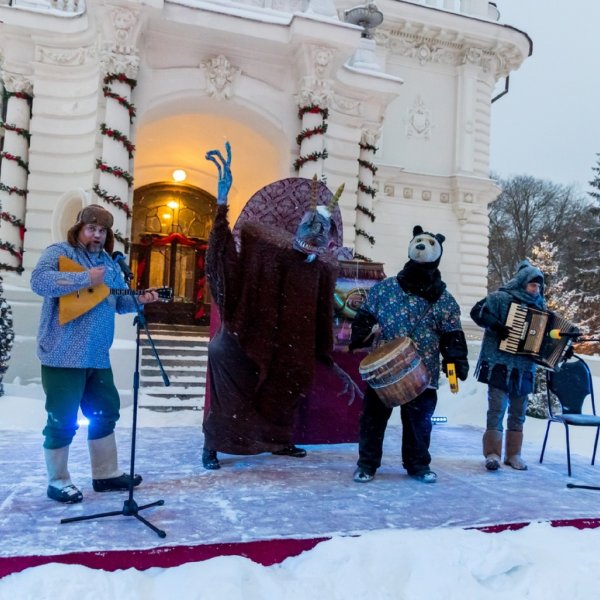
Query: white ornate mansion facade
{"type": "Point", "coordinates": [103, 100]}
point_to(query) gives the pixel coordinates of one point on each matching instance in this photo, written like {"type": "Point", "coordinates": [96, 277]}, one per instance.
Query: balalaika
{"type": "Point", "coordinates": [529, 330]}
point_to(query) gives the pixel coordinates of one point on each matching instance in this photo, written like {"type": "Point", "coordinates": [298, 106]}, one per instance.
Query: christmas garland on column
{"type": "Point", "coordinates": [370, 191]}
{"type": "Point", "coordinates": [120, 137]}
{"type": "Point", "coordinates": [320, 129]}
{"type": "Point", "coordinates": [4, 155]}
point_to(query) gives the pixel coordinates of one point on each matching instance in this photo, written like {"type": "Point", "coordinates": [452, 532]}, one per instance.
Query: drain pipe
{"type": "Point", "coordinates": [504, 91]}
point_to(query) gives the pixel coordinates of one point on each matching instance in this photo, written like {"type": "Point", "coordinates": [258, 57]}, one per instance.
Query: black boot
{"type": "Point", "coordinates": [115, 484]}
{"type": "Point", "coordinates": [210, 460]}
{"type": "Point", "coordinates": [291, 450]}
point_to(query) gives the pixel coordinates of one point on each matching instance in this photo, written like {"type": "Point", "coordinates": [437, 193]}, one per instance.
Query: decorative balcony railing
{"type": "Point", "coordinates": [473, 8]}
{"type": "Point", "coordinates": [64, 8]}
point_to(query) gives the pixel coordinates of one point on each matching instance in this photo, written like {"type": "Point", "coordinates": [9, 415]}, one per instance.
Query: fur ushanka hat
{"type": "Point", "coordinates": [94, 214]}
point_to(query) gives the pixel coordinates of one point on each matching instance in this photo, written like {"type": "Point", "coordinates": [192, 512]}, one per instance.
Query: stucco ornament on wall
{"type": "Point", "coordinates": [17, 83]}
{"type": "Point", "coordinates": [220, 76]}
{"type": "Point", "coordinates": [123, 21]}
{"type": "Point", "coordinates": [418, 123]}
{"type": "Point", "coordinates": [115, 62]}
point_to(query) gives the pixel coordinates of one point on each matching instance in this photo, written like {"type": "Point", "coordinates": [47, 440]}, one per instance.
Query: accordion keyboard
{"type": "Point", "coordinates": [527, 328]}
{"type": "Point", "coordinates": [516, 321]}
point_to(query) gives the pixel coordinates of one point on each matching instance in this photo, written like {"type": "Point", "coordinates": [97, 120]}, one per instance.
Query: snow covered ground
{"type": "Point", "coordinates": [392, 538]}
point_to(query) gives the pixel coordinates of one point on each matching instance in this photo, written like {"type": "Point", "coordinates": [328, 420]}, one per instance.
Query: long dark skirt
{"type": "Point", "coordinates": [242, 418]}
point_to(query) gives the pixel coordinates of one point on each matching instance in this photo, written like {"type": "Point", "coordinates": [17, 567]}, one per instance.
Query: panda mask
{"type": "Point", "coordinates": [420, 275]}
{"type": "Point", "coordinates": [425, 247]}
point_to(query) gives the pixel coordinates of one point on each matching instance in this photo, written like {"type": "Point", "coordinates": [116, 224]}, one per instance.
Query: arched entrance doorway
{"type": "Point", "coordinates": [170, 227]}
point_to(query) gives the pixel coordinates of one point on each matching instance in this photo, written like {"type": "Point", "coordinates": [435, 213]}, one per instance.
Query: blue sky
{"type": "Point", "coordinates": [548, 125]}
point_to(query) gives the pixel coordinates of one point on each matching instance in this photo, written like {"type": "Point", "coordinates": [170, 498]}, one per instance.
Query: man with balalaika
{"type": "Point", "coordinates": [510, 376]}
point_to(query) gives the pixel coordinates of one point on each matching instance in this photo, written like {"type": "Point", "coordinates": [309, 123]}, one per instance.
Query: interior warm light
{"type": "Point", "coordinates": [173, 204]}
{"type": "Point", "coordinates": [167, 216]}
{"type": "Point", "coordinates": [179, 175]}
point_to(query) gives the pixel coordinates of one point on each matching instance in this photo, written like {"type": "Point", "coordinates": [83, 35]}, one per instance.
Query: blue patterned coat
{"type": "Point", "coordinates": [397, 312]}
{"type": "Point", "coordinates": [83, 343]}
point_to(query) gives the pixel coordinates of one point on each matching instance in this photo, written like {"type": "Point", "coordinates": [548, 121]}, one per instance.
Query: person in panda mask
{"type": "Point", "coordinates": [414, 304]}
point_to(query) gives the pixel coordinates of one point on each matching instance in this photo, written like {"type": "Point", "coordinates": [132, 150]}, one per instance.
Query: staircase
{"type": "Point", "coordinates": [183, 352]}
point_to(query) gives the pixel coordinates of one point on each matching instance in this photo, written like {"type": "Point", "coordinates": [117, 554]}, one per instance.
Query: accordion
{"type": "Point", "coordinates": [529, 330]}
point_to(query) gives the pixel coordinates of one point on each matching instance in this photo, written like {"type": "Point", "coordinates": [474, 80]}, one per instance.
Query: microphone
{"type": "Point", "coordinates": [556, 334]}
{"type": "Point", "coordinates": [119, 258]}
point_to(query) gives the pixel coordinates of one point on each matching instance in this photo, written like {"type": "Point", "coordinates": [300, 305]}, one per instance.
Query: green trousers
{"type": "Point", "coordinates": [69, 389]}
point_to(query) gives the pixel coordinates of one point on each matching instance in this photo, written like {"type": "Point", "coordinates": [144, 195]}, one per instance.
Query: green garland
{"type": "Point", "coordinates": [308, 133]}
{"type": "Point", "coordinates": [314, 109]}
{"type": "Point", "coordinates": [116, 171]}
{"type": "Point", "coordinates": [12, 190]}
{"type": "Point", "coordinates": [12, 249]}
{"type": "Point", "coordinates": [312, 157]}
{"type": "Point", "coordinates": [5, 267]}
{"type": "Point", "coordinates": [359, 256]}
{"type": "Point", "coordinates": [114, 200]}
{"type": "Point", "coordinates": [366, 211]}
{"type": "Point", "coordinates": [364, 234]}
{"type": "Point", "coordinates": [367, 165]}
{"type": "Point", "coordinates": [17, 159]}
{"type": "Point", "coordinates": [21, 95]}
{"type": "Point", "coordinates": [367, 189]}
{"type": "Point", "coordinates": [125, 241]}
{"type": "Point", "coordinates": [121, 78]}
{"type": "Point", "coordinates": [18, 130]}
{"type": "Point", "coordinates": [122, 101]}
{"type": "Point", "coordinates": [115, 134]}
{"type": "Point", "coordinates": [368, 147]}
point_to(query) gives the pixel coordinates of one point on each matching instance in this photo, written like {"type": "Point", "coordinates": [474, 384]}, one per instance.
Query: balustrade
{"type": "Point", "coordinates": [56, 7]}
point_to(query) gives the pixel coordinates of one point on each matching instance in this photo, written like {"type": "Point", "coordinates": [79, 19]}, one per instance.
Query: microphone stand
{"type": "Point", "coordinates": [130, 506]}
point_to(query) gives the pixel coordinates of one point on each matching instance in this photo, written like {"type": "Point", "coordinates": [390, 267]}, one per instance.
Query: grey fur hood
{"type": "Point", "coordinates": [526, 273]}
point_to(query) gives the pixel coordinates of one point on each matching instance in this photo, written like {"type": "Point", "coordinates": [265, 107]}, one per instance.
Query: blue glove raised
{"type": "Point", "coordinates": [224, 168]}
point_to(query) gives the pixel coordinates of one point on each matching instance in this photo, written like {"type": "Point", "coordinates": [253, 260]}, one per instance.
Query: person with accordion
{"type": "Point", "coordinates": [510, 376]}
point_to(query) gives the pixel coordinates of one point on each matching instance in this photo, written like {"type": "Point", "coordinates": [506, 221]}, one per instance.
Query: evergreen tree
{"type": "Point", "coordinates": [559, 299]}
{"type": "Point", "coordinates": [588, 266]}
{"type": "Point", "coordinates": [7, 335]}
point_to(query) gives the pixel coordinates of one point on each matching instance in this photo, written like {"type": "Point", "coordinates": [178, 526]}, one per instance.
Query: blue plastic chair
{"type": "Point", "coordinates": [571, 384]}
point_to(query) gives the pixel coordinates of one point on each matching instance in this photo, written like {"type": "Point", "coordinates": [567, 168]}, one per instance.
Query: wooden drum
{"type": "Point", "coordinates": [395, 371]}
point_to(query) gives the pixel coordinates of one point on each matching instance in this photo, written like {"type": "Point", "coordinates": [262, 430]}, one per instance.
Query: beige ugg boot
{"type": "Point", "coordinates": [106, 475]}
{"type": "Point", "coordinates": [512, 450]}
{"type": "Point", "coordinates": [60, 486]}
{"type": "Point", "coordinates": [492, 449]}
{"type": "Point", "coordinates": [103, 456]}
{"type": "Point", "coordinates": [56, 465]}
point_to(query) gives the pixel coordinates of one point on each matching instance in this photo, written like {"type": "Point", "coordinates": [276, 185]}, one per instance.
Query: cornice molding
{"type": "Point", "coordinates": [447, 48]}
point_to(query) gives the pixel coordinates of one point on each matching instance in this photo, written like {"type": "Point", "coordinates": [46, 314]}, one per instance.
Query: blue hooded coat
{"type": "Point", "coordinates": [514, 373]}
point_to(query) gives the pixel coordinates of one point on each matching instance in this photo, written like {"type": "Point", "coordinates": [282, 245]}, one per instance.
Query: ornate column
{"type": "Point", "coordinates": [14, 169]}
{"type": "Point", "coordinates": [314, 100]}
{"type": "Point", "coordinates": [120, 64]}
{"type": "Point", "coordinates": [365, 217]}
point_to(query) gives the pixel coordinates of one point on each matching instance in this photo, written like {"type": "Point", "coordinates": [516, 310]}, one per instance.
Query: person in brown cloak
{"type": "Point", "coordinates": [275, 299]}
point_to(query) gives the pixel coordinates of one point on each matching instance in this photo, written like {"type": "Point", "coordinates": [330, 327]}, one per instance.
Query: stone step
{"type": "Point", "coordinates": [171, 403]}
{"type": "Point", "coordinates": [183, 352]}
{"type": "Point", "coordinates": [186, 380]}
{"type": "Point", "coordinates": [172, 342]}
{"type": "Point", "coordinates": [170, 351]}
{"type": "Point", "coordinates": [191, 361]}
{"type": "Point", "coordinates": [173, 371]}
